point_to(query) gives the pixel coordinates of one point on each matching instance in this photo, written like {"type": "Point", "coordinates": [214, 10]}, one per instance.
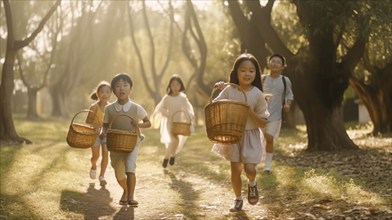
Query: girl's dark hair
{"type": "Point", "coordinates": [121, 76]}
{"type": "Point", "coordinates": [178, 79]}
{"type": "Point", "coordinates": [93, 95]}
{"type": "Point", "coordinates": [241, 58]}
{"type": "Point", "coordinates": [279, 56]}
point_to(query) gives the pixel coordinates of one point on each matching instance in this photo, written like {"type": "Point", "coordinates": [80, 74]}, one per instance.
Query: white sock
{"type": "Point", "coordinates": [252, 183]}
{"type": "Point", "coordinates": [268, 160]}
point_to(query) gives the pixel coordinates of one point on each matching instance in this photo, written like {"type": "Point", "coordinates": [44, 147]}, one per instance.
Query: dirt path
{"type": "Point", "coordinates": [199, 188]}
{"type": "Point", "coordinates": [166, 194]}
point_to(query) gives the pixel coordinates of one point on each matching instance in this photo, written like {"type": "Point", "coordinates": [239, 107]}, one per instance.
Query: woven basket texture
{"type": "Point", "coordinates": [226, 120]}
{"type": "Point", "coordinates": [81, 135]}
{"type": "Point", "coordinates": [121, 140]}
{"type": "Point", "coordinates": [181, 124]}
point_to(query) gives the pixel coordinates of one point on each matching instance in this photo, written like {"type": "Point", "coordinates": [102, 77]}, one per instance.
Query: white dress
{"type": "Point", "coordinates": [250, 148]}
{"type": "Point", "coordinates": [170, 107]}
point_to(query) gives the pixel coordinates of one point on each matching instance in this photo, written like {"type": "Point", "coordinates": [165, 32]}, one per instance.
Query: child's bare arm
{"type": "Point", "coordinates": [145, 124]}
{"type": "Point", "coordinates": [91, 116]}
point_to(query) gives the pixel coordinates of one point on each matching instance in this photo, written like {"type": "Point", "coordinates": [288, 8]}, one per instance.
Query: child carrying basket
{"type": "Point", "coordinates": [238, 142]}
{"type": "Point", "coordinates": [175, 115]}
{"type": "Point", "coordinates": [123, 136]}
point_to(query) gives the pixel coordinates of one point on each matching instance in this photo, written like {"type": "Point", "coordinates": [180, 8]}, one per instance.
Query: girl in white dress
{"type": "Point", "coordinates": [173, 106]}
{"type": "Point", "coordinates": [247, 153]}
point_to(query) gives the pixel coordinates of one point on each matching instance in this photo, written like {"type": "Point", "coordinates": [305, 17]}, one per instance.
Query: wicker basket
{"type": "Point", "coordinates": [226, 119]}
{"type": "Point", "coordinates": [181, 128]}
{"type": "Point", "coordinates": [121, 140]}
{"type": "Point", "coordinates": [81, 135]}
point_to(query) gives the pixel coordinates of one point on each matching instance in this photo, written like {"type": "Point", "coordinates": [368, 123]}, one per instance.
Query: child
{"type": "Point", "coordinates": [124, 163]}
{"type": "Point", "coordinates": [102, 94]}
{"type": "Point", "coordinates": [175, 102]}
{"type": "Point", "coordinates": [247, 153]}
{"type": "Point", "coordinates": [281, 96]}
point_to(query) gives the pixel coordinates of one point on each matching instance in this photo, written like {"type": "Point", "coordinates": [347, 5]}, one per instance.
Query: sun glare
{"type": "Point", "coordinates": [159, 4]}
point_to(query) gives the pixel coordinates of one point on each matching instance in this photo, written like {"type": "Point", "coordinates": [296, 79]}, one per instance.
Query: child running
{"type": "Point", "coordinates": [124, 163]}
{"type": "Point", "coordinates": [174, 104]}
{"type": "Point", "coordinates": [101, 94]}
{"type": "Point", "coordinates": [247, 153]}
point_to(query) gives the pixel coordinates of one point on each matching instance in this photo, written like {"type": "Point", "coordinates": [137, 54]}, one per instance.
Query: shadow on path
{"type": "Point", "coordinates": [94, 204]}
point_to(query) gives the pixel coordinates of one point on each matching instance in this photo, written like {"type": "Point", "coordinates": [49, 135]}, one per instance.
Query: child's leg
{"type": "Point", "coordinates": [250, 170]}
{"type": "Point", "coordinates": [269, 148]}
{"type": "Point", "coordinates": [104, 164]}
{"type": "Point", "coordinates": [104, 161]}
{"type": "Point", "coordinates": [175, 141]}
{"type": "Point", "coordinates": [94, 159]}
{"type": "Point", "coordinates": [123, 184]}
{"type": "Point", "coordinates": [171, 147]}
{"type": "Point", "coordinates": [118, 164]}
{"type": "Point", "coordinates": [236, 170]}
{"type": "Point", "coordinates": [131, 183]}
{"type": "Point", "coordinates": [253, 194]}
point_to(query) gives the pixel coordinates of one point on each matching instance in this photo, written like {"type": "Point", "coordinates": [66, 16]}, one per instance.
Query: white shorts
{"type": "Point", "coordinates": [273, 128]}
{"type": "Point", "coordinates": [123, 162]}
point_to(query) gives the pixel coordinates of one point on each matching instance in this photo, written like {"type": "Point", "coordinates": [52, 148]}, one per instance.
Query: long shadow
{"type": "Point", "coordinates": [94, 204]}
{"type": "Point", "coordinates": [125, 213]}
{"type": "Point", "coordinates": [187, 193]}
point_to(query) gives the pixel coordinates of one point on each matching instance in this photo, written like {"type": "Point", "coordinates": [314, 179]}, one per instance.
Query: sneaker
{"type": "Point", "coordinates": [164, 163]}
{"type": "Point", "coordinates": [253, 195]}
{"type": "Point", "coordinates": [93, 174]}
{"type": "Point", "coordinates": [269, 172]}
{"type": "Point", "coordinates": [237, 205]}
{"type": "Point", "coordinates": [171, 162]}
{"type": "Point", "coordinates": [102, 181]}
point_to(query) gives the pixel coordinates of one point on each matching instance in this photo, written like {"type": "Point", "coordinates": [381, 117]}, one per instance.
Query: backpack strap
{"type": "Point", "coordinates": [284, 90]}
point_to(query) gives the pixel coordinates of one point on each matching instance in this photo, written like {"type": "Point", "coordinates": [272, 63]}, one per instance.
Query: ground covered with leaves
{"type": "Point", "coordinates": [49, 180]}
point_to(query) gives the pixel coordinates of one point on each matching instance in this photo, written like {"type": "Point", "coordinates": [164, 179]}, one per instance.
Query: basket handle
{"type": "Point", "coordinates": [187, 115]}
{"type": "Point", "coordinates": [231, 84]}
{"type": "Point", "coordinates": [132, 119]}
{"type": "Point", "coordinates": [81, 111]}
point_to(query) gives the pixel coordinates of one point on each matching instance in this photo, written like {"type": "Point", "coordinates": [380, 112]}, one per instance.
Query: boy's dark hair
{"type": "Point", "coordinates": [121, 76]}
{"type": "Point", "coordinates": [280, 56]}
{"type": "Point", "coordinates": [241, 58]}
{"type": "Point", "coordinates": [178, 79]}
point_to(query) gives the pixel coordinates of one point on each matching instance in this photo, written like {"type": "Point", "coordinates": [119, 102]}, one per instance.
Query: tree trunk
{"type": "Point", "coordinates": [7, 127]}
{"type": "Point", "coordinates": [58, 103]}
{"type": "Point", "coordinates": [324, 121]}
{"type": "Point", "coordinates": [32, 103]}
{"type": "Point", "coordinates": [376, 98]}
{"type": "Point", "coordinates": [8, 132]}
{"type": "Point", "coordinates": [326, 130]}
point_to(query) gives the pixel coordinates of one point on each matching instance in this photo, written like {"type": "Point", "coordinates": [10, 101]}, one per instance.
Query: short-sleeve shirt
{"type": "Point", "coordinates": [131, 109]}
{"type": "Point", "coordinates": [275, 87]}
{"type": "Point", "coordinates": [254, 98]}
